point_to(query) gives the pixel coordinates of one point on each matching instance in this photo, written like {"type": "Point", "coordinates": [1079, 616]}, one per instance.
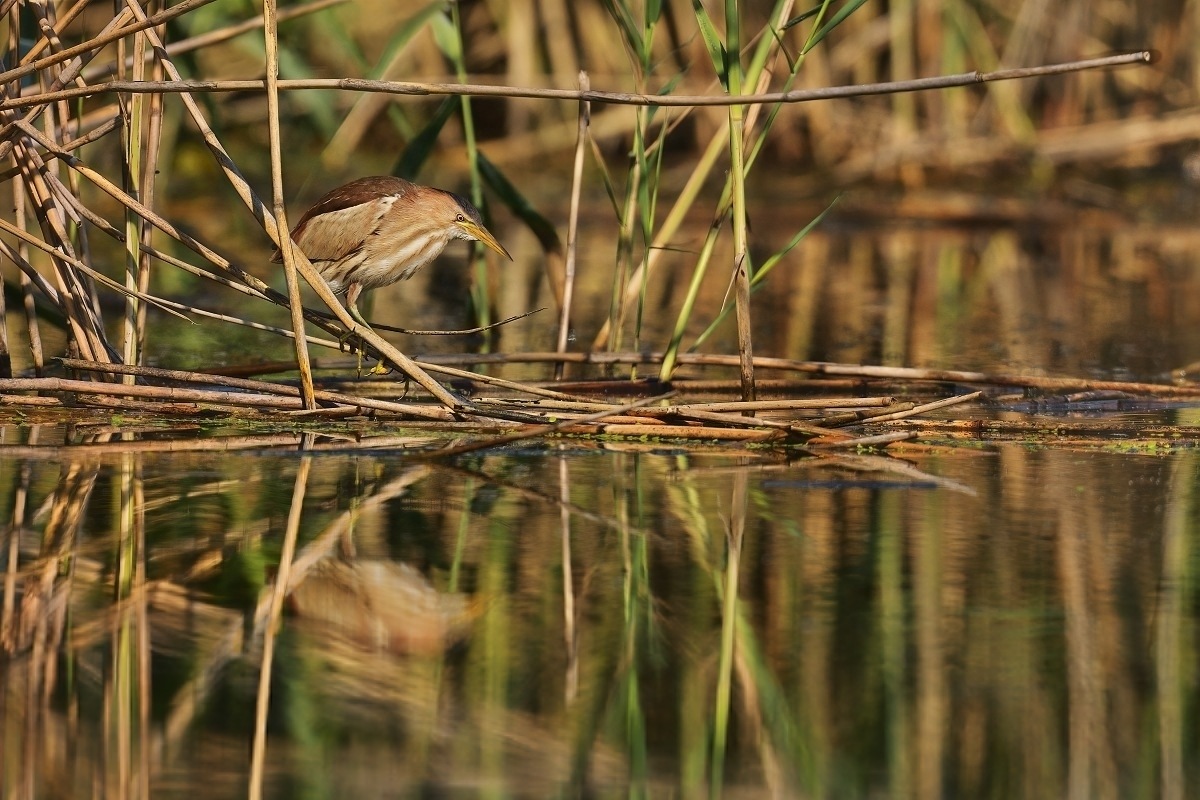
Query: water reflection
{"type": "Point", "coordinates": [569, 619]}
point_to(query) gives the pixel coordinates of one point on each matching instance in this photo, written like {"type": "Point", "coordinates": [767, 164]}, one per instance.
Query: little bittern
{"type": "Point", "coordinates": [375, 231]}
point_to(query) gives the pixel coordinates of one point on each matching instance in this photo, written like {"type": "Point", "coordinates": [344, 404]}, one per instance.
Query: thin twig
{"type": "Point", "coordinates": [410, 88]}
{"type": "Point", "coordinates": [925, 408]}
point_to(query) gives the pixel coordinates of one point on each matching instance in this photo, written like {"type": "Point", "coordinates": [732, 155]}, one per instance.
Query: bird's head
{"type": "Point", "coordinates": [460, 218]}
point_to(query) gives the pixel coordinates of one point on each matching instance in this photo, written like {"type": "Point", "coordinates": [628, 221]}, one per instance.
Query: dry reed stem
{"type": "Point", "coordinates": [185, 309]}
{"type": "Point", "coordinates": [546, 430]}
{"type": "Point", "coordinates": [792, 405]}
{"type": "Point", "coordinates": [23, 264]}
{"type": "Point", "coordinates": [418, 89]}
{"type": "Point", "coordinates": [269, 401]}
{"type": "Point", "coordinates": [494, 381]}
{"type": "Point", "coordinates": [867, 441]}
{"type": "Point", "coordinates": [93, 135]}
{"type": "Point", "coordinates": [265, 387]}
{"type": "Point", "coordinates": [287, 251]}
{"type": "Point", "coordinates": [863, 371]}
{"type": "Point", "coordinates": [653, 415]}
{"type": "Point", "coordinates": [82, 313]}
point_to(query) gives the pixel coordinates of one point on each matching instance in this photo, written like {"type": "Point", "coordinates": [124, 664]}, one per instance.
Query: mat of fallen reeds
{"type": "Point", "coordinates": [894, 405]}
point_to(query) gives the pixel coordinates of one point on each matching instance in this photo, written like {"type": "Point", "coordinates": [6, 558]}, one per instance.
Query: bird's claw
{"type": "Point", "coordinates": [349, 341]}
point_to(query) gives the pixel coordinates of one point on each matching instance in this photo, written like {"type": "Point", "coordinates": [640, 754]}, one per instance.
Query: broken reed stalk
{"type": "Point", "coordinates": [564, 323]}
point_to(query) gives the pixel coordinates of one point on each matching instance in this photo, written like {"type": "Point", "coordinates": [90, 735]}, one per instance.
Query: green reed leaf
{"type": "Point", "coordinates": [621, 14]}
{"type": "Point", "coordinates": [405, 32]}
{"type": "Point", "coordinates": [837, 19]}
{"type": "Point", "coordinates": [506, 190]}
{"type": "Point", "coordinates": [712, 41]}
{"type": "Point", "coordinates": [418, 150]}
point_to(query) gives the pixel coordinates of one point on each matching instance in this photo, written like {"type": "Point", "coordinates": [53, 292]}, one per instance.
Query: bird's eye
{"type": "Point", "coordinates": [460, 218]}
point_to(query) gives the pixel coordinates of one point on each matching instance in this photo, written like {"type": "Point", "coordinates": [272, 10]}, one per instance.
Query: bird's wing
{"type": "Point", "coordinates": [338, 224]}
{"type": "Point", "coordinates": [334, 235]}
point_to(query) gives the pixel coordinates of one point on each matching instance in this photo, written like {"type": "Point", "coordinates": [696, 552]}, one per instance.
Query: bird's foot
{"type": "Point", "coordinates": [350, 342]}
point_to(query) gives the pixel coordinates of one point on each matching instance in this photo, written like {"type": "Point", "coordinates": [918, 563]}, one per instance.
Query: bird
{"type": "Point", "coordinates": [377, 230]}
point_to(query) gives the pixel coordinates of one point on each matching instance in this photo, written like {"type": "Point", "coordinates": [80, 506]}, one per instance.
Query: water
{"type": "Point", "coordinates": [544, 621]}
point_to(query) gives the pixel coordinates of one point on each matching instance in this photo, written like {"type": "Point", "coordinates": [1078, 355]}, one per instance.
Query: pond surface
{"type": "Point", "coordinates": [568, 618]}
{"type": "Point", "coordinates": [582, 618]}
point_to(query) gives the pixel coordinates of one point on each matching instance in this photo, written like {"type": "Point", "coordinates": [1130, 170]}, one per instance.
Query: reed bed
{"type": "Point", "coordinates": [98, 128]}
{"type": "Point", "coordinates": [133, 100]}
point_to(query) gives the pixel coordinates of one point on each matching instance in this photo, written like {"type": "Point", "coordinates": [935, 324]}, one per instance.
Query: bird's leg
{"type": "Point", "coordinates": [352, 295]}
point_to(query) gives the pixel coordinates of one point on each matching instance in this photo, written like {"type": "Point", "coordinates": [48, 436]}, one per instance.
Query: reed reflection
{"type": "Point", "coordinates": [953, 622]}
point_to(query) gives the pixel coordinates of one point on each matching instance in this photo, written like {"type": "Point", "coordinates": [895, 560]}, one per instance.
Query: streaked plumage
{"type": "Point", "coordinates": [375, 231]}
